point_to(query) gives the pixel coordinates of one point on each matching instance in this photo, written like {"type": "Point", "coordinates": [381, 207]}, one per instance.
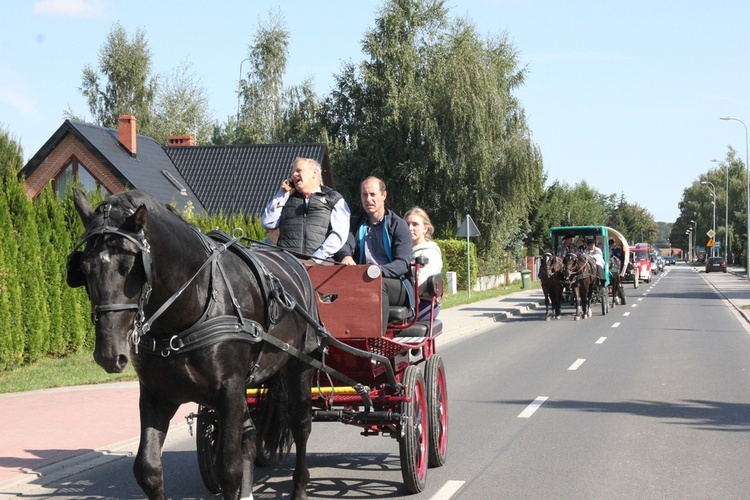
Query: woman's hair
{"type": "Point", "coordinates": [425, 219]}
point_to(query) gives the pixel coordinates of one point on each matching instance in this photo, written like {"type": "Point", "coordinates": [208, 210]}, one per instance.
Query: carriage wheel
{"type": "Point", "coordinates": [635, 279]}
{"type": "Point", "coordinates": [205, 443]}
{"type": "Point", "coordinates": [413, 441]}
{"type": "Point", "coordinates": [605, 300]}
{"type": "Point", "coordinates": [437, 408]}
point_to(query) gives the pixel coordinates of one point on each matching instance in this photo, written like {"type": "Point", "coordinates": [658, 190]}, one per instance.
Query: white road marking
{"type": "Point", "coordinates": [601, 340]}
{"type": "Point", "coordinates": [626, 313]}
{"type": "Point", "coordinates": [447, 490]}
{"type": "Point", "coordinates": [634, 305]}
{"type": "Point", "coordinates": [577, 364]}
{"type": "Point", "coordinates": [533, 407]}
{"type": "Point", "coordinates": [640, 299]}
{"type": "Point", "coordinates": [615, 325]}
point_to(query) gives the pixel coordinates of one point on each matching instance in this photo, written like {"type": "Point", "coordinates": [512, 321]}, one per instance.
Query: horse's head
{"type": "Point", "coordinates": [547, 265]}
{"type": "Point", "coordinates": [570, 265]}
{"type": "Point", "coordinates": [115, 268]}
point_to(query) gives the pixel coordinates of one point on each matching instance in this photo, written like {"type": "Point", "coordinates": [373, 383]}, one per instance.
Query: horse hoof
{"type": "Point", "coordinates": [546, 318]}
{"type": "Point", "coordinates": [576, 318]}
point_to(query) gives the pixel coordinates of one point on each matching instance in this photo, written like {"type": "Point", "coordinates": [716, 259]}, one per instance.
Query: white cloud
{"type": "Point", "coordinates": [82, 9]}
{"type": "Point", "coordinates": [19, 101]}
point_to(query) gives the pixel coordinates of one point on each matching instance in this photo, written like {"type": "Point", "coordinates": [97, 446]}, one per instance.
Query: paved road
{"type": "Point", "coordinates": [59, 432]}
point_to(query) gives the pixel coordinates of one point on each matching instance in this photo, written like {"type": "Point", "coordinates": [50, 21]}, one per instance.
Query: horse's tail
{"type": "Point", "coordinates": [275, 426]}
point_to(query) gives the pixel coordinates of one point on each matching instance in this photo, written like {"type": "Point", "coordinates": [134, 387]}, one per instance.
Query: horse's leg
{"type": "Point", "coordinates": [300, 413]}
{"type": "Point", "coordinates": [147, 467]}
{"type": "Point", "coordinates": [249, 449]}
{"type": "Point", "coordinates": [577, 297]}
{"type": "Point", "coordinates": [547, 302]}
{"type": "Point", "coordinates": [557, 302]}
{"type": "Point", "coordinates": [231, 410]}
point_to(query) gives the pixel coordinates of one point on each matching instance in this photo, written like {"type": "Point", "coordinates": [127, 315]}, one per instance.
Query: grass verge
{"type": "Point", "coordinates": [81, 369]}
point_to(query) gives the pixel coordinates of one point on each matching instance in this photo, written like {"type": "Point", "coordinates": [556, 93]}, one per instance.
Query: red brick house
{"type": "Point", "coordinates": [230, 179]}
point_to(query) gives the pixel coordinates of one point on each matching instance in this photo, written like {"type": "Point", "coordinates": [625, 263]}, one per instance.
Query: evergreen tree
{"type": "Point", "coordinates": [29, 264]}
{"type": "Point", "coordinates": [54, 245]}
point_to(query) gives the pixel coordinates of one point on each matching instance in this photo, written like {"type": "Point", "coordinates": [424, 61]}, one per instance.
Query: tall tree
{"type": "Point", "coordinates": [262, 92]}
{"type": "Point", "coordinates": [123, 84]}
{"type": "Point", "coordinates": [268, 110]}
{"type": "Point", "coordinates": [431, 111]}
{"type": "Point", "coordinates": [181, 108]}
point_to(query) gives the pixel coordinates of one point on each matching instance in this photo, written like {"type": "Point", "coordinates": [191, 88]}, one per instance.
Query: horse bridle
{"type": "Point", "coordinates": [139, 240]}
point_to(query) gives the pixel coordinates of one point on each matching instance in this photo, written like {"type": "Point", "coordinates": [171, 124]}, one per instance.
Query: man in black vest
{"type": "Point", "coordinates": [312, 219]}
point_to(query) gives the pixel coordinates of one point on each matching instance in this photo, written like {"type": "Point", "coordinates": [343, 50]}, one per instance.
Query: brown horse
{"type": "Point", "coordinates": [580, 270]}
{"type": "Point", "coordinates": [551, 270]}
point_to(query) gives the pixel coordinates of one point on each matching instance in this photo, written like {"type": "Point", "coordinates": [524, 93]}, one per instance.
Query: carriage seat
{"type": "Point", "coordinates": [421, 329]}
{"type": "Point", "coordinates": [430, 295]}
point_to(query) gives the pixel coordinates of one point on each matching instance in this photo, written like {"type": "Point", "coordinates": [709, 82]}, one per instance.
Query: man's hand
{"type": "Point", "coordinates": [348, 261]}
{"type": "Point", "coordinates": [287, 185]}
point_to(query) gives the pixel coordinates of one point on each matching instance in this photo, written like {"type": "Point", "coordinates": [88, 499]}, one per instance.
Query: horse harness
{"type": "Point", "coordinates": [207, 331]}
{"type": "Point", "coordinates": [579, 274]}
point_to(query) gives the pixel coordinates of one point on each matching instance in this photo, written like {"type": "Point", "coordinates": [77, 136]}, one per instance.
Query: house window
{"type": "Point", "coordinates": [75, 171]}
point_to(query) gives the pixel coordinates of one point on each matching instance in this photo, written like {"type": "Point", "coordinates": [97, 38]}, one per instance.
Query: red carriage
{"type": "Point", "coordinates": [391, 384]}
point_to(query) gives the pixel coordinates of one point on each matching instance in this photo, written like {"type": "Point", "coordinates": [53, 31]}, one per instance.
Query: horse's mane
{"type": "Point", "coordinates": [124, 204]}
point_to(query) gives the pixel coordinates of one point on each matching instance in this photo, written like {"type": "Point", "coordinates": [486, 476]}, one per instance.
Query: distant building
{"type": "Point", "coordinates": [228, 179]}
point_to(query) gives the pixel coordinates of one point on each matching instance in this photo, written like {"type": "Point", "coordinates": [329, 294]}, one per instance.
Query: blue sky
{"type": "Point", "coordinates": [624, 95]}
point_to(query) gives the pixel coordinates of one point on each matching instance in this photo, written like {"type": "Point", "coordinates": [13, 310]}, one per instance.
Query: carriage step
{"type": "Point", "coordinates": [355, 418]}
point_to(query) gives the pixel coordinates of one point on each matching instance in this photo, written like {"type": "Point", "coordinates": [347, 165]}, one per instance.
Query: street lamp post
{"type": "Point", "coordinates": [690, 245]}
{"type": "Point", "coordinates": [239, 94]}
{"type": "Point", "coordinates": [694, 234]}
{"type": "Point", "coordinates": [713, 193]}
{"type": "Point", "coordinates": [747, 192]}
{"type": "Point", "coordinates": [726, 217]}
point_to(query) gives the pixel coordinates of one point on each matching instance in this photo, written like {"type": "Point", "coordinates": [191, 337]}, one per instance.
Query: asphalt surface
{"type": "Point", "coordinates": [53, 433]}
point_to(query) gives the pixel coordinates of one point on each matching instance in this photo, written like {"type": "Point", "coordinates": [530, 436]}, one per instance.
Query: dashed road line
{"type": "Point", "coordinates": [615, 325]}
{"type": "Point", "coordinates": [447, 490]}
{"type": "Point", "coordinates": [601, 340]}
{"type": "Point", "coordinates": [533, 407]}
{"type": "Point", "coordinates": [576, 365]}
{"type": "Point", "coordinates": [626, 313]}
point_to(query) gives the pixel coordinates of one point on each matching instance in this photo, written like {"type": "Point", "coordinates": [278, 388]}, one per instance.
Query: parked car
{"type": "Point", "coordinates": [716, 264]}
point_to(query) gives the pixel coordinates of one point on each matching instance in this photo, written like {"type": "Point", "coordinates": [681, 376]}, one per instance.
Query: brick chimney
{"type": "Point", "coordinates": [127, 132]}
{"type": "Point", "coordinates": [181, 141]}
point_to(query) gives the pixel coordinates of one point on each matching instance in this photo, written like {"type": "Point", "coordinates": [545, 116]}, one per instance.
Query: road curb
{"type": "Point", "coordinates": [744, 313]}
{"type": "Point", "coordinates": [517, 311]}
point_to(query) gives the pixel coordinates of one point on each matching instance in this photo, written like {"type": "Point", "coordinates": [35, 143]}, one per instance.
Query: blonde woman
{"type": "Point", "coordinates": [421, 237]}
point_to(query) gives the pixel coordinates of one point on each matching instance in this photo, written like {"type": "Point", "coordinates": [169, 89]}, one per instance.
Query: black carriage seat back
{"type": "Point", "coordinates": [432, 287]}
{"type": "Point", "coordinates": [432, 291]}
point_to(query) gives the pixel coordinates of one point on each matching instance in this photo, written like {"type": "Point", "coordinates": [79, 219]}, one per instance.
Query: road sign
{"type": "Point", "coordinates": [711, 243]}
{"type": "Point", "coordinates": [468, 229]}
{"type": "Point", "coordinates": [711, 234]}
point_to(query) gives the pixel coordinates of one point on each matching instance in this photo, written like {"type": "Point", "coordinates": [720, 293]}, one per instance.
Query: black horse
{"type": "Point", "coordinates": [615, 280]}
{"type": "Point", "coordinates": [551, 274]}
{"type": "Point", "coordinates": [580, 270]}
{"type": "Point", "coordinates": [200, 324]}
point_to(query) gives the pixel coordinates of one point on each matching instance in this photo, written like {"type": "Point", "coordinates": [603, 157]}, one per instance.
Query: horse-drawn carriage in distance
{"type": "Point", "coordinates": [262, 342]}
{"type": "Point", "coordinates": [571, 273]}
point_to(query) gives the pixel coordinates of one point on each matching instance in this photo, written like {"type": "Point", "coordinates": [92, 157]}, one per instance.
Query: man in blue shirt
{"type": "Point", "coordinates": [380, 237]}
